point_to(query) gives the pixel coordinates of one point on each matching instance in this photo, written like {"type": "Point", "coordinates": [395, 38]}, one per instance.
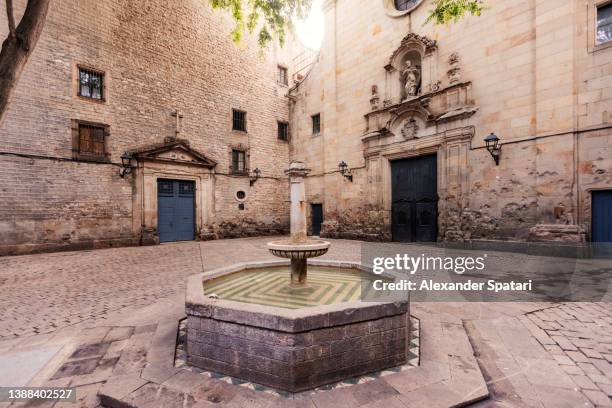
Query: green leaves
{"type": "Point", "coordinates": [445, 11]}
{"type": "Point", "coordinates": [271, 18]}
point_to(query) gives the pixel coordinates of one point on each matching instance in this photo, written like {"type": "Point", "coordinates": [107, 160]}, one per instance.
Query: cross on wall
{"type": "Point", "coordinates": [179, 116]}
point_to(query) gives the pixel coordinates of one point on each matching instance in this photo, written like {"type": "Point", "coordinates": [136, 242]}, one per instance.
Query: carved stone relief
{"type": "Point", "coordinates": [410, 129]}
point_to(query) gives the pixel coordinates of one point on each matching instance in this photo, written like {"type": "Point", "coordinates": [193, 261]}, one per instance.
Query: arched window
{"type": "Point", "coordinates": [402, 5]}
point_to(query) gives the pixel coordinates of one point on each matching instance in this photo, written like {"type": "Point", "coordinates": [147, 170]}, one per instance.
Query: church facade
{"type": "Point", "coordinates": [154, 127]}
{"type": "Point", "coordinates": [393, 118]}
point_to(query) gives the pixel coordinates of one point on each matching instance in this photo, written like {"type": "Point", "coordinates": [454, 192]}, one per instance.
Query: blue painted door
{"type": "Point", "coordinates": [175, 210]}
{"type": "Point", "coordinates": [602, 216]}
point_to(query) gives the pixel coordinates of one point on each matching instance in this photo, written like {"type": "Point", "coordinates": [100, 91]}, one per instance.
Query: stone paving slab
{"type": "Point", "coordinates": [448, 367]}
{"type": "Point", "coordinates": [17, 369]}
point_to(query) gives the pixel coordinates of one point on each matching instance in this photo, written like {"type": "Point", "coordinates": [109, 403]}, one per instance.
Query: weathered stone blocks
{"type": "Point", "coordinates": [293, 350]}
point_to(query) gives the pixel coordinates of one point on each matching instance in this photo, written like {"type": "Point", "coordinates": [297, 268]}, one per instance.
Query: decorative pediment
{"type": "Point", "coordinates": [172, 150]}
{"type": "Point", "coordinates": [411, 42]}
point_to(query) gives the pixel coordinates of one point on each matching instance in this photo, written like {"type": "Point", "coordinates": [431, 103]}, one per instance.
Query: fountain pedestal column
{"type": "Point", "coordinates": [297, 172]}
{"type": "Point", "coordinates": [298, 248]}
{"type": "Point", "coordinates": [298, 272]}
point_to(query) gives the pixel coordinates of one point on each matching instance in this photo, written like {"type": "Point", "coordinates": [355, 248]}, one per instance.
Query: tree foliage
{"type": "Point", "coordinates": [446, 11]}
{"type": "Point", "coordinates": [272, 18]}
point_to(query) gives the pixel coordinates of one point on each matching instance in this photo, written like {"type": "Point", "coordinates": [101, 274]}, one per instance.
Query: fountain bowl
{"type": "Point", "coordinates": [292, 349]}
{"type": "Point", "coordinates": [311, 248]}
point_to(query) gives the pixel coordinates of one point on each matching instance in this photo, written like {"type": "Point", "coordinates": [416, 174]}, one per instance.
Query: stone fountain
{"type": "Point", "coordinates": [251, 322]}
{"type": "Point", "coordinates": [298, 248]}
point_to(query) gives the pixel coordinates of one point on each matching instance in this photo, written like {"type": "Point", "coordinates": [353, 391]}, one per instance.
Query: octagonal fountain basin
{"type": "Point", "coordinates": [247, 321]}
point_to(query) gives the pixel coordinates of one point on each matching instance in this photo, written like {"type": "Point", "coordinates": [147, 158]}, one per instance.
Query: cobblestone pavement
{"type": "Point", "coordinates": [579, 336]}
{"type": "Point", "coordinates": [44, 292]}
{"type": "Point", "coordinates": [531, 354]}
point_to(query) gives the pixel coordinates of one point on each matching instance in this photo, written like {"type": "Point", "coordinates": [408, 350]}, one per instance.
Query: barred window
{"type": "Point", "coordinates": [238, 162]}
{"type": "Point", "coordinates": [91, 140]}
{"type": "Point", "coordinates": [604, 23]}
{"type": "Point", "coordinates": [402, 5]}
{"type": "Point", "coordinates": [283, 75]}
{"type": "Point", "coordinates": [91, 84]}
{"type": "Point", "coordinates": [239, 120]}
{"type": "Point", "coordinates": [316, 124]}
{"type": "Point", "coordinates": [283, 131]}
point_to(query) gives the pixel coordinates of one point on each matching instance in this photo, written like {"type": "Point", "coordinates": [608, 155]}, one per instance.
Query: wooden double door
{"type": "Point", "coordinates": [414, 213]}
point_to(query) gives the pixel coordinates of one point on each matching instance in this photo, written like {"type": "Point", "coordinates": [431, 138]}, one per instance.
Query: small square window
{"type": "Point", "coordinates": [604, 24]}
{"type": "Point", "coordinates": [90, 141]}
{"type": "Point", "coordinates": [238, 162]}
{"type": "Point", "coordinates": [91, 84]}
{"type": "Point", "coordinates": [283, 131]}
{"type": "Point", "coordinates": [283, 75]}
{"type": "Point", "coordinates": [239, 120]}
{"type": "Point", "coordinates": [316, 124]}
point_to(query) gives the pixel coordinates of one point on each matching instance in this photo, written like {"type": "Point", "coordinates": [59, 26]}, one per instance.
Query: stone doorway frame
{"type": "Point", "coordinates": [173, 160]}
{"type": "Point", "coordinates": [452, 148]}
{"type": "Point", "coordinates": [145, 198]}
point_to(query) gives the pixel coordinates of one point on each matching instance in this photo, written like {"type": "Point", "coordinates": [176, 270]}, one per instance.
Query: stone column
{"type": "Point", "coordinates": [297, 172]}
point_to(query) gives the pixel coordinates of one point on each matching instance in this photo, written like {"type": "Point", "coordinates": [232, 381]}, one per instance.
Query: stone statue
{"type": "Point", "coordinates": [412, 77]}
{"type": "Point", "coordinates": [375, 98]}
{"type": "Point", "coordinates": [454, 72]}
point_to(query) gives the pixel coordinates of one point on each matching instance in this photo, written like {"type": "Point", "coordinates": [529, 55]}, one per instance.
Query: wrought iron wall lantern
{"type": "Point", "coordinates": [345, 171]}
{"type": "Point", "coordinates": [255, 176]}
{"type": "Point", "coordinates": [493, 147]}
{"type": "Point", "coordinates": [126, 164]}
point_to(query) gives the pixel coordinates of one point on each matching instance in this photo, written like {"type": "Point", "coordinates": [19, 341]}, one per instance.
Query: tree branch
{"type": "Point", "coordinates": [11, 18]}
{"type": "Point", "coordinates": [16, 50]}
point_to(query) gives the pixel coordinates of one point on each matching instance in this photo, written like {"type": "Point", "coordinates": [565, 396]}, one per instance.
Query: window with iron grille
{"type": "Point", "coordinates": [238, 162]}
{"type": "Point", "coordinates": [283, 75]}
{"type": "Point", "coordinates": [91, 84]}
{"type": "Point", "coordinates": [402, 5]}
{"type": "Point", "coordinates": [604, 23]}
{"type": "Point", "coordinates": [91, 141]}
{"type": "Point", "coordinates": [239, 120]}
{"type": "Point", "coordinates": [283, 131]}
{"type": "Point", "coordinates": [316, 124]}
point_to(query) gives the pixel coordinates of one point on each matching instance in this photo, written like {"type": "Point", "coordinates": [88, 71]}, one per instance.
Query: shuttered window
{"type": "Point", "coordinates": [91, 140]}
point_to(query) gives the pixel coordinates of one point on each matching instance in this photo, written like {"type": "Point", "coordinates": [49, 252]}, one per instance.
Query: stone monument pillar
{"type": "Point", "coordinates": [297, 172]}
{"type": "Point", "coordinates": [298, 247]}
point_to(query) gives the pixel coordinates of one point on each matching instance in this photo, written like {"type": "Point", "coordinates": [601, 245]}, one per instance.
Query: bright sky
{"type": "Point", "coordinates": [310, 31]}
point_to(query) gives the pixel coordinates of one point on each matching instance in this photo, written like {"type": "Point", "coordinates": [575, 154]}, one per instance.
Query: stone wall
{"type": "Point", "coordinates": [157, 57]}
{"type": "Point", "coordinates": [534, 78]}
{"type": "Point", "coordinates": [296, 361]}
